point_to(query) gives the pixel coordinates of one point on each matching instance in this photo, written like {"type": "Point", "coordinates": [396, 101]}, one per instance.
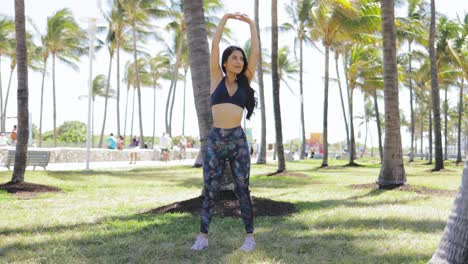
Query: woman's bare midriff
{"type": "Point", "coordinates": [226, 115]}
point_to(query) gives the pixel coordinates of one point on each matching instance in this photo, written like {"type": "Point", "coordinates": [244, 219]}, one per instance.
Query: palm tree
{"type": "Point", "coordinates": [7, 29]}
{"type": "Point", "coordinates": [392, 172]}
{"type": "Point", "coordinates": [64, 40]}
{"type": "Point", "coordinates": [361, 60]}
{"type": "Point", "coordinates": [32, 58]}
{"type": "Point", "coordinates": [262, 153]}
{"type": "Point", "coordinates": [453, 247]}
{"type": "Point", "coordinates": [185, 66]}
{"type": "Point", "coordinates": [338, 49]}
{"type": "Point", "coordinates": [334, 21]}
{"type": "Point", "coordinates": [111, 46]}
{"type": "Point", "coordinates": [372, 83]}
{"type": "Point", "coordinates": [179, 43]}
{"type": "Point", "coordinates": [44, 53]}
{"type": "Point", "coordinates": [158, 68]}
{"type": "Point", "coordinates": [130, 77]}
{"type": "Point", "coordinates": [413, 29]}
{"type": "Point", "coordinates": [117, 24]}
{"type": "Point", "coordinates": [99, 87]}
{"type": "Point", "coordinates": [11, 53]}
{"type": "Point", "coordinates": [447, 31]}
{"type": "Point", "coordinates": [439, 161]}
{"type": "Point", "coordinates": [460, 59]}
{"type": "Point", "coordinates": [23, 95]}
{"type": "Point", "coordinates": [298, 11]}
{"type": "Point", "coordinates": [197, 43]}
{"type": "Point", "coordinates": [276, 86]}
{"type": "Point", "coordinates": [138, 14]}
{"type": "Point", "coordinates": [116, 19]}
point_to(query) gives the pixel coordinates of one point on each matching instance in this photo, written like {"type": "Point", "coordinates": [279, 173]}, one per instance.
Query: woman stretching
{"type": "Point", "coordinates": [230, 94]}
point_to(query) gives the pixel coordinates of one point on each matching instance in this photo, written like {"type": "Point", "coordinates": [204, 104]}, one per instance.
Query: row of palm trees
{"type": "Point", "coordinates": [348, 29]}
{"type": "Point", "coordinates": [351, 30]}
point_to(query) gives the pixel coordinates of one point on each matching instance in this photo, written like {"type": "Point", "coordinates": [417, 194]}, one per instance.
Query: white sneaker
{"type": "Point", "coordinates": [249, 244]}
{"type": "Point", "coordinates": [200, 243]}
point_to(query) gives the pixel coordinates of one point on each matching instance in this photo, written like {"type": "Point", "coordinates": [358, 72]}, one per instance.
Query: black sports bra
{"type": "Point", "coordinates": [221, 95]}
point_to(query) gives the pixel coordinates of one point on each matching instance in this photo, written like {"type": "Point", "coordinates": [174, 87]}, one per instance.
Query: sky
{"type": "Point", "coordinates": [71, 85]}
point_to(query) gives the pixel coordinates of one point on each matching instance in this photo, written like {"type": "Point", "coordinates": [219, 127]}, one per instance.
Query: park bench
{"type": "Point", "coordinates": [34, 158]}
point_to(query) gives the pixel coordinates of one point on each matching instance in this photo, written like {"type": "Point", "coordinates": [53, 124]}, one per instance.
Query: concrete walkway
{"type": "Point", "coordinates": [109, 165]}
{"type": "Point", "coordinates": [115, 165]}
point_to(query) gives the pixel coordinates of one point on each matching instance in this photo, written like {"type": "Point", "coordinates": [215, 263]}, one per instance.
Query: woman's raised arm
{"type": "Point", "coordinates": [215, 69]}
{"type": "Point", "coordinates": [254, 49]}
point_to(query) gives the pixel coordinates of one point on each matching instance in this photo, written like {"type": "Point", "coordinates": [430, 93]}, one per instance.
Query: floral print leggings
{"type": "Point", "coordinates": [230, 144]}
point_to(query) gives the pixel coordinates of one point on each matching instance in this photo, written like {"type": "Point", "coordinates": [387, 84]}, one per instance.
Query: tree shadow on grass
{"type": "Point", "coordinates": [167, 239]}
{"type": "Point", "coordinates": [352, 202]}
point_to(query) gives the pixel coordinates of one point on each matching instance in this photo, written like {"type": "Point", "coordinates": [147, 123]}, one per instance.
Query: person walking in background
{"type": "Point", "coordinates": [230, 94]}
{"type": "Point", "coordinates": [183, 146]}
{"type": "Point", "coordinates": [13, 136]}
{"type": "Point", "coordinates": [133, 153]}
{"type": "Point", "coordinates": [164, 143]}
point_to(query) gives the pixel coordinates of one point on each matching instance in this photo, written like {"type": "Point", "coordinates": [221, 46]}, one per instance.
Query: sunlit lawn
{"type": "Point", "coordinates": [98, 218]}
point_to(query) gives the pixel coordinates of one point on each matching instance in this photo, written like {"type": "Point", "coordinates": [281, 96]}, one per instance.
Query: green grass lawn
{"type": "Point", "coordinates": [98, 218]}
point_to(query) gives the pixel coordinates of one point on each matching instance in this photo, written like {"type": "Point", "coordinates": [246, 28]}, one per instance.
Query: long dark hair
{"type": "Point", "coordinates": [242, 80]}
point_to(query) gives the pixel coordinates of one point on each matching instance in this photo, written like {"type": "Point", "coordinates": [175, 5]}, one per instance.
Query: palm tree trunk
{"type": "Point", "coordinates": [276, 86]}
{"type": "Point", "coordinates": [106, 99]}
{"type": "Point", "coordinates": [54, 101]}
{"type": "Point", "coordinates": [137, 72]}
{"type": "Point", "coordinates": [183, 105]}
{"type": "Point", "coordinates": [172, 90]}
{"type": "Point", "coordinates": [349, 92]}
{"type": "Point", "coordinates": [445, 123]}
{"type": "Point", "coordinates": [118, 87]}
{"type": "Point", "coordinates": [42, 102]}
{"type": "Point", "coordinates": [133, 114]}
{"type": "Point", "coordinates": [168, 101]}
{"type": "Point", "coordinates": [379, 129]}
{"type": "Point", "coordinates": [459, 125]}
{"type": "Point", "coordinates": [303, 143]}
{"type": "Point", "coordinates": [352, 139]}
{"type": "Point", "coordinates": [7, 95]}
{"type": "Point", "coordinates": [341, 97]}
{"type": "Point", "coordinates": [431, 129]}
{"type": "Point", "coordinates": [1, 98]}
{"type": "Point", "coordinates": [172, 107]}
{"type": "Point", "coordinates": [22, 95]}
{"type": "Point", "coordinates": [453, 247]}
{"type": "Point", "coordinates": [439, 162]}
{"type": "Point", "coordinates": [392, 172]}
{"type": "Point", "coordinates": [197, 43]}
{"type": "Point", "coordinates": [365, 136]}
{"type": "Point", "coordinates": [92, 122]}
{"type": "Point", "coordinates": [325, 109]}
{"type": "Point", "coordinates": [126, 108]}
{"type": "Point", "coordinates": [262, 153]}
{"type": "Point", "coordinates": [422, 136]}
{"type": "Point", "coordinates": [411, 157]}
{"type": "Point", "coordinates": [154, 114]}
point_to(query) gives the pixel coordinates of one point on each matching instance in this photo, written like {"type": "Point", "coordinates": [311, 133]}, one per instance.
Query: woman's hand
{"type": "Point", "coordinates": [239, 16]}
{"type": "Point", "coordinates": [243, 17]}
{"type": "Point", "coordinates": [230, 15]}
